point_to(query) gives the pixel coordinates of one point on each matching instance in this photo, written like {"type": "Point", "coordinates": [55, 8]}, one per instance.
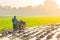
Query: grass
{"type": "Point", "coordinates": [6, 22]}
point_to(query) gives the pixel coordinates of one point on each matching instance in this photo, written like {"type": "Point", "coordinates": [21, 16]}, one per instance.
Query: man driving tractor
{"type": "Point", "coordinates": [18, 24]}
{"type": "Point", "coordinates": [14, 20]}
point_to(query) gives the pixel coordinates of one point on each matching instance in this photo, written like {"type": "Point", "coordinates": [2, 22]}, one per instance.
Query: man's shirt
{"type": "Point", "coordinates": [14, 20]}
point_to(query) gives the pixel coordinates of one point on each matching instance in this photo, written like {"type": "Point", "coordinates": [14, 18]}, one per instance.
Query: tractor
{"type": "Point", "coordinates": [20, 25]}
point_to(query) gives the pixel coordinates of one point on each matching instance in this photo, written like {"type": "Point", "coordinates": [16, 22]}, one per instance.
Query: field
{"type": "Point", "coordinates": [6, 22]}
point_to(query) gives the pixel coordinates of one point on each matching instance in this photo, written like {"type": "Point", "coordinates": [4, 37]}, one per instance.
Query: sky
{"type": "Point", "coordinates": [24, 3]}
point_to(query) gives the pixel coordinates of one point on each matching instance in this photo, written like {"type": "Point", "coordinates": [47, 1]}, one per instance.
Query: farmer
{"type": "Point", "coordinates": [14, 20]}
